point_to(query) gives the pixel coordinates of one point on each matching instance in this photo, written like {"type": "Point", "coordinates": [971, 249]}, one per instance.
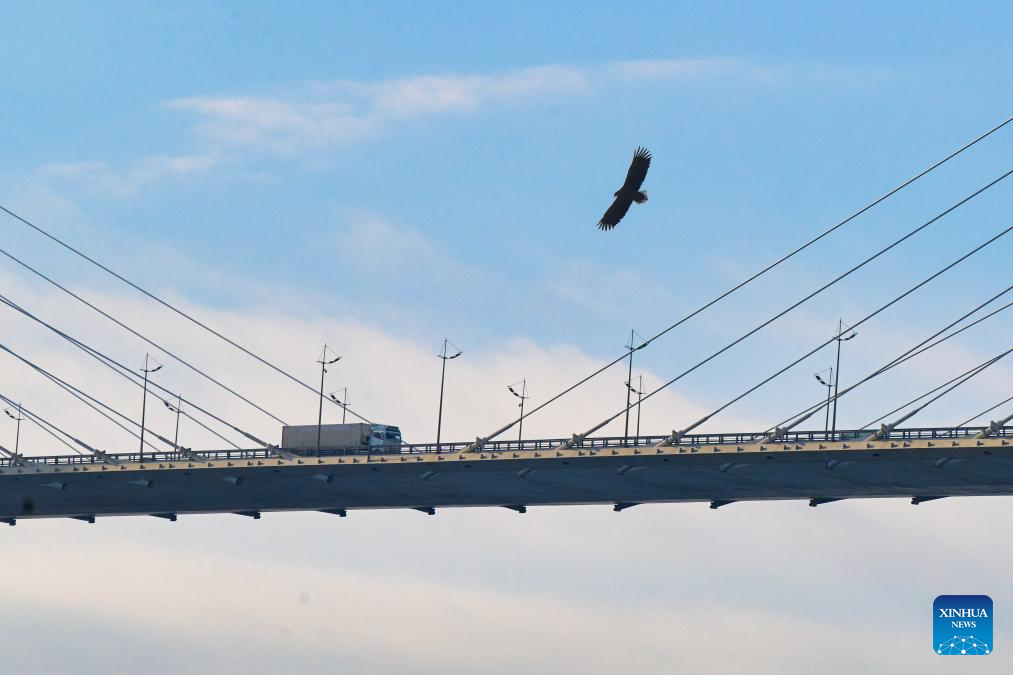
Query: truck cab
{"type": "Point", "coordinates": [384, 435]}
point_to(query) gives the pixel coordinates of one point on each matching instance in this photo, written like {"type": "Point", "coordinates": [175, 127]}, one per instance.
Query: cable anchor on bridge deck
{"type": "Point", "coordinates": [477, 445]}
{"type": "Point", "coordinates": [15, 459]}
{"type": "Point", "coordinates": [993, 427]}
{"type": "Point", "coordinates": [671, 440]}
{"type": "Point", "coordinates": [104, 456]}
{"type": "Point", "coordinates": [566, 445]}
{"type": "Point", "coordinates": [884, 432]}
{"type": "Point", "coordinates": [774, 435]}
{"type": "Point", "coordinates": [284, 454]}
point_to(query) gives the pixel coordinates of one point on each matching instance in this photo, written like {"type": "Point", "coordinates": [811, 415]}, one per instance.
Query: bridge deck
{"type": "Point", "coordinates": [254, 482]}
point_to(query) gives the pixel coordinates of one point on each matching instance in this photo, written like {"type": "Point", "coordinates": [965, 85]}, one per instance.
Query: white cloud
{"type": "Point", "coordinates": [328, 113]}
{"type": "Point", "coordinates": [677, 69]}
{"type": "Point", "coordinates": [750, 588]}
{"type": "Point", "coordinates": [430, 94]}
{"type": "Point", "coordinates": [367, 238]}
{"type": "Point", "coordinates": [311, 620]}
{"type": "Point", "coordinates": [322, 114]}
{"type": "Point", "coordinates": [283, 126]}
{"type": "Point", "coordinates": [319, 115]}
{"type": "Point", "coordinates": [100, 178]}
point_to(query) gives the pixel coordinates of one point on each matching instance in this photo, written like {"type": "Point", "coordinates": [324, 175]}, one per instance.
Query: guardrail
{"type": "Point", "coordinates": [537, 445]}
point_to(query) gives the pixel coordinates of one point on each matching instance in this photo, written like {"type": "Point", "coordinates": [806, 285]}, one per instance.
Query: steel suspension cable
{"type": "Point", "coordinates": [169, 305]}
{"type": "Point", "coordinates": [677, 434]}
{"type": "Point", "coordinates": [9, 454]}
{"type": "Point", "coordinates": [480, 441]}
{"type": "Point", "coordinates": [83, 399]}
{"type": "Point", "coordinates": [30, 418]}
{"type": "Point", "coordinates": [794, 420]}
{"type": "Point", "coordinates": [137, 334]}
{"type": "Point", "coordinates": [985, 412]}
{"type": "Point", "coordinates": [580, 437]}
{"type": "Point", "coordinates": [131, 376]}
{"type": "Point", "coordinates": [51, 429]}
{"type": "Point", "coordinates": [955, 382]}
{"type": "Point", "coordinates": [90, 401]}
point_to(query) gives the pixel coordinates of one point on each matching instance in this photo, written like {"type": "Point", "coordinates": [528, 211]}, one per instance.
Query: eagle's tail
{"type": "Point", "coordinates": [640, 197]}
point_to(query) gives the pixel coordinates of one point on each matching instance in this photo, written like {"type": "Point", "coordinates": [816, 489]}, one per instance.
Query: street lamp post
{"type": "Point", "coordinates": [840, 338]}
{"type": "Point", "coordinates": [17, 434]}
{"type": "Point", "coordinates": [179, 409]}
{"type": "Point", "coordinates": [175, 409]}
{"type": "Point", "coordinates": [147, 370]}
{"type": "Point", "coordinates": [639, 391]}
{"type": "Point", "coordinates": [629, 378]}
{"type": "Point", "coordinates": [445, 356]}
{"type": "Point", "coordinates": [829, 385]}
{"type": "Point", "coordinates": [523, 396]}
{"type": "Point", "coordinates": [324, 362]}
{"type": "Point", "coordinates": [343, 401]}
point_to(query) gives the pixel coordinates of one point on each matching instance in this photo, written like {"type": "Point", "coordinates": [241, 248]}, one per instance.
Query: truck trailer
{"type": "Point", "coordinates": [359, 435]}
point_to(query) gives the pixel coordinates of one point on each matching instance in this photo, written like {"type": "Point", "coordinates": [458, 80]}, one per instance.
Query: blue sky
{"type": "Point", "coordinates": [405, 164]}
{"type": "Point", "coordinates": [382, 175]}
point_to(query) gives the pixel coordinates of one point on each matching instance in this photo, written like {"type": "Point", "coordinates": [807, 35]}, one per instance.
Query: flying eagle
{"type": "Point", "coordinates": [630, 191]}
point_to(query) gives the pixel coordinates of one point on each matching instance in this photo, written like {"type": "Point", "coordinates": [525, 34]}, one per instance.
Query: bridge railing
{"type": "Point", "coordinates": [738, 438]}
{"type": "Point", "coordinates": [499, 447]}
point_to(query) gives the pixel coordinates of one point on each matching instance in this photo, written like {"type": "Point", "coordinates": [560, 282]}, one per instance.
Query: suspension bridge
{"type": "Point", "coordinates": [918, 464]}
{"type": "Point", "coordinates": [883, 459]}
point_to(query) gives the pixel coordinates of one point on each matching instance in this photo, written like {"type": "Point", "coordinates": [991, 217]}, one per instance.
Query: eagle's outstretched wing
{"type": "Point", "coordinates": [630, 191]}
{"type": "Point", "coordinates": [638, 171]}
{"type": "Point", "coordinates": [615, 213]}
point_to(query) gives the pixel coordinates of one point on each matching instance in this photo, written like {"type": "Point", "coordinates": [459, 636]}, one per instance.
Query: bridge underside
{"type": "Point", "coordinates": [623, 476]}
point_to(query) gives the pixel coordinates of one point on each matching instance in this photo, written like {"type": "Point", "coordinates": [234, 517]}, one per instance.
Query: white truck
{"type": "Point", "coordinates": [343, 436]}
